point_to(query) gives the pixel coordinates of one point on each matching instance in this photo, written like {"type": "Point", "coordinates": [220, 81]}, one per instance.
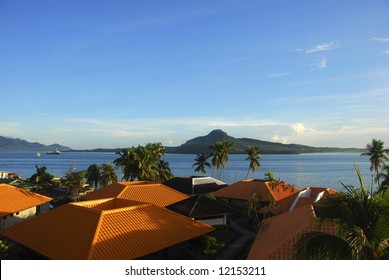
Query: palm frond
{"type": "Point", "coordinates": [321, 246]}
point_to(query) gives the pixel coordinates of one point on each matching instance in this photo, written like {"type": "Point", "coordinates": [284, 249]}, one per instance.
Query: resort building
{"type": "Point", "coordinates": [107, 229]}
{"type": "Point", "coordinates": [306, 196]}
{"type": "Point", "coordinates": [192, 185]}
{"type": "Point", "coordinates": [242, 191]}
{"type": "Point", "coordinates": [203, 209]}
{"type": "Point", "coordinates": [279, 234]}
{"type": "Point", "coordinates": [143, 191]}
{"type": "Point", "coordinates": [17, 205]}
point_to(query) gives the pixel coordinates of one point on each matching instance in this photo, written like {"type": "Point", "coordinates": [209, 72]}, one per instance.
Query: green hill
{"type": "Point", "coordinates": [202, 145]}
{"type": "Point", "coordinates": [13, 144]}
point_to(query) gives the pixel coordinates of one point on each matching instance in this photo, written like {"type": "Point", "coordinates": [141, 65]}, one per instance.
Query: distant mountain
{"type": "Point", "coordinates": [11, 144]}
{"type": "Point", "coordinates": [202, 145]}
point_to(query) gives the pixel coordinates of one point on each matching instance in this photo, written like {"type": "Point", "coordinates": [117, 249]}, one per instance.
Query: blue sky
{"type": "Point", "coordinates": [90, 73]}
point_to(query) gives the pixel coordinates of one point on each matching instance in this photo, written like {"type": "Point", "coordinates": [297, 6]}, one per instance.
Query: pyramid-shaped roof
{"type": "Point", "coordinates": [105, 229]}
{"type": "Point", "coordinates": [199, 206]}
{"type": "Point", "coordinates": [243, 190]}
{"type": "Point", "coordinates": [13, 199]}
{"type": "Point", "coordinates": [143, 191]}
{"type": "Point", "coordinates": [279, 234]}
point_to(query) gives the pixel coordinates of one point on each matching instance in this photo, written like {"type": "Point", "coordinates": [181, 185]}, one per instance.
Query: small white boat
{"type": "Point", "coordinates": [38, 154]}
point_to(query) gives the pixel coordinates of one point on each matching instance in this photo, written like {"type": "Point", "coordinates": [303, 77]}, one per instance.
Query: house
{"type": "Point", "coordinates": [9, 175]}
{"type": "Point", "coordinates": [279, 234]}
{"type": "Point", "coordinates": [242, 191]}
{"type": "Point", "coordinates": [143, 191]}
{"type": "Point", "coordinates": [17, 205]}
{"type": "Point", "coordinates": [107, 229]}
{"type": "Point", "coordinates": [306, 196]}
{"type": "Point", "coordinates": [202, 208]}
{"type": "Point", "coordinates": [192, 185]}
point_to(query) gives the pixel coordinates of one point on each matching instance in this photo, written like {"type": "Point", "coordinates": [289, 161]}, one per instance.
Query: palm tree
{"type": "Point", "coordinates": [202, 163]}
{"type": "Point", "coordinates": [384, 178]}
{"type": "Point", "coordinates": [93, 175]}
{"type": "Point", "coordinates": [378, 155]}
{"type": "Point", "coordinates": [41, 177]}
{"type": "Point", "coordinates": [217, 156]}
{"type": "Point", "coordinates": [127, 162]}
{"type": "Point", "coordinates": [226, 148]}
{"type": "Point", "coordinates": [362, 230]}
{"type": "Point", "coordinates": [254, 157]}
{"type": "Point", "coordinates": [74, 181]}
{"type": "Point", "coordinates": [252, 209]}
{"type": "Point", "coordinates": [108, 174]}
{"type": "Point", "coordinates": [164, 171]}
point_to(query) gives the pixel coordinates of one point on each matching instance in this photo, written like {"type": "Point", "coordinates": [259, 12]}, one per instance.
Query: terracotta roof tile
{"type": "Point", "coordinates": [105, 229]}
{"type": "Point", "coordinates": [243, 190]}
{"type": "Point", "coordinates": [144, 191]}
{"type": "Point", "coordinates": [13, 200]}
{"type": "Point", "coordinates": [279, 234]}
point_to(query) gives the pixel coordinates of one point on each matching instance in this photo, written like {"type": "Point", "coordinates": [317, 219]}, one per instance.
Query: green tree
{"type": "Point", "coordinates": [108, 174]}
{"type": "Point", "coordinates": [221, 150]}
{"type": "Point", "coordinates": [74, 181]}
{"type": "Point", "coordinates": [144, 163]}
{"type": "Point", "coordinates": [216, 156]}
{"type": "Point", "coordinates": [378, 155]}
{"type": "Point", "coordinates": [201, 163]}
{"type": "Point", "coordinates": [164, 171]}
{"type": "Point", "coordinates": [128, 164]}
{"type": "Point", "coordinates": [362, 229]}
{"type": "Point", "coordinates": [383, 177]}
{"type": "Point", "coordinates": [252, 210]}
{"type": "Point", "coordinates": [93, 176]}
{"type": "Point", "coordinates": [254, 157]}
{"type": "Point", "coordinates": [41, 177]}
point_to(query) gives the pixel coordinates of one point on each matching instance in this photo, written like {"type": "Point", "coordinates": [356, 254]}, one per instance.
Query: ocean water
{"type": "Point", "coordinates": [320, 170]}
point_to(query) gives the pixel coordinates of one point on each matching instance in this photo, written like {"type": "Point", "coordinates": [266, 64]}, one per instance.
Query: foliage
{"type": "Point", "coordinates": [3, 249]}
{"type": "Point", "coordinates": [271, 178]}
{"type": "Point", "coordinates": [252, 210]}
{"type": "Point", "coordinates": [378, 155]}
{"type": "Point", "coordinates": [74, 181]}
{"type": "Point", "coordinates": [42, 178]}
{"type": "Point", "coordinates": [202, 163]}
{"type": "Point", "coordinates": [144, 163]}
{"type": "Point", "coordinates": [362, 226]}
{"type": "Point", "coordinates": [108, 174]}
{"type": "Point", "coordinates": [93, 176]}
{"type": "Point", "coordinates": [254, 157]}
{"type": "Point", "coordinates": [221, 150]}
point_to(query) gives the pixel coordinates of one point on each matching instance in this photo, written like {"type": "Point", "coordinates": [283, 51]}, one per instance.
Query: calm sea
{"type": "Point", "coordinates": [324, 170]}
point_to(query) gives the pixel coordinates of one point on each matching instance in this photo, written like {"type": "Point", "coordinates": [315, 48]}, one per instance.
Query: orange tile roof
{"type": "Point", "coordinates": [279, 234]}
{"type": "Point", "coordinates": [286, 203]}
{"type": "Point", "coordinates": [144, 191]}
{"type": "Point", "coordinates": [13, 200]}
{"type": "Point", "coordinates": [243, 190]}
{"type": "Point", "coordinates": [105, 229]}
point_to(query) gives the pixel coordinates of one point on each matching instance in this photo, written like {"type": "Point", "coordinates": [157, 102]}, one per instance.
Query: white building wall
{"type": "Point", "coordinates": [16, 218]}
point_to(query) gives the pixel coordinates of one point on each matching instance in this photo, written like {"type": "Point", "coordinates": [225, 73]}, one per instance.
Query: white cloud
{"type": "Point", "coordinates": [321, 47]}
{"type": "Point", "coordinates": [321, 64]}
{"type": "Point", "coordinates": [279, 75]}
{"type": "Point", "coordinates": [278, 138]}
{"type": "Point", "coordinates": [300, 129]}
{"type": "Point", "coordinates": [380, 39]}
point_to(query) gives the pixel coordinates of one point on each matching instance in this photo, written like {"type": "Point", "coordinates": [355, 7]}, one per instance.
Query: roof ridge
{"type": "Point", "coordinates": [194, 205]}
{"type": "Point", "coordinates": [95, 237]}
